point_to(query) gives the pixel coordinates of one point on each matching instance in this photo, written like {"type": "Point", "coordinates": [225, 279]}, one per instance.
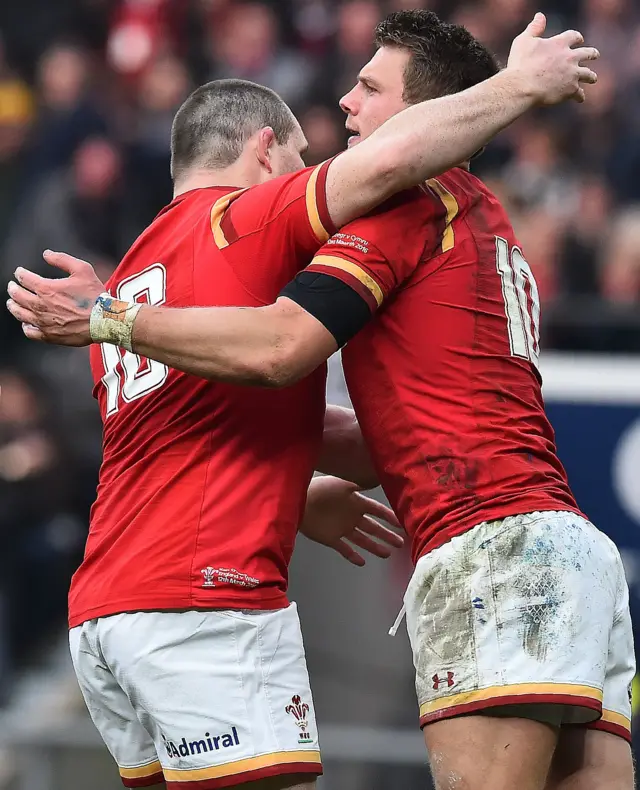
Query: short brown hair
{"type": "Point", "coordinates": [445, 58]}
{"type": "Point", "coordinates": [214, 123]}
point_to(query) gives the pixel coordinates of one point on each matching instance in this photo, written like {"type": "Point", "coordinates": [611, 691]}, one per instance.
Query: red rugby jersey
{"type": "Point", "coordinates": [202, 485]}
{"type": "Point", "coordinates": [444, 379]}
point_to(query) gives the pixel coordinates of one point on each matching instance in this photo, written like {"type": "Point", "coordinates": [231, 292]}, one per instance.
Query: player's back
{"type": "Point", "coordinates": [445, 381]}
{"type": "Point", "coordinates": [202, 484]}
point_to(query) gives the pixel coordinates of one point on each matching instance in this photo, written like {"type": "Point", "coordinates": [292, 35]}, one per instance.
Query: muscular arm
{"type": "Point", "coordinates": [272, 346]}
{"type": "Point", "coordinates": [420, 142]}
{"type": "Point", "coordinates": [344, 453]}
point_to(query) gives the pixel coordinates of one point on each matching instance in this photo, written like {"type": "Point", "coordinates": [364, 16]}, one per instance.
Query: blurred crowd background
{"type": "Point", "coordinates": [88, 90]}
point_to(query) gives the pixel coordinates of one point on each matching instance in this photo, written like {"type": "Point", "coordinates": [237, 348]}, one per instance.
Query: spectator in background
{"type": "Point", "coordinates": [246, 45]}
{"type": "Point", "coordinates": [314, 24]}
{"type": "Point", "coordinates": [621, 264]}
{"type": "Point", "coordinates": [68, 112]}
{"type": "Point", "coordinates": [40, 535]}
{"type": "Point", "coordinates": [610, 23]}
{"type": "Point", "coordinates": [591, 138]}
{"type": "Point", "coordinates": [508, 18]}
{"type": "Point", "coordinates": [537, 176]}
{"type": "Point", "coordinates": [582, 246]}
{"type": "Point", "coordinates": [540, 231]}
{"type": "Point", "coordinates": [325, 133]}
{"type": "Point", "coordinates": [16, 116]}
{"type": "Point", "coordinates": [473, 16]}
{"type": "Point", "coordinates": [161, 89]}
{"type": "Point", "coordinates": [82, 208]}
{"type": "Point", "coordinates": [139, 33]}
{"type": "Point", "coordinates": [356, 20]}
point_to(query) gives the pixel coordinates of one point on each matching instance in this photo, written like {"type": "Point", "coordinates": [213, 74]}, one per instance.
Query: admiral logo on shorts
{"type": "Point", "coordinates": [299, 709]}
{"type": "Point", "coordinates": [203, 745]}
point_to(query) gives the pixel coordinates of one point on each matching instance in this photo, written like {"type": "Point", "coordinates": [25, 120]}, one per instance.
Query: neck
{"type": "Point", "coordinates": [237, 175]}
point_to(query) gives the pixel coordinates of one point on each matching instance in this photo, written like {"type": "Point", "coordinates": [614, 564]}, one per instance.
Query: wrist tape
{"type": "Point", "coordinates": [112, 321]}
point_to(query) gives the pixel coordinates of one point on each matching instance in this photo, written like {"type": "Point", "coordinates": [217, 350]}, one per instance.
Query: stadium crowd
{"type": "Point", "coordinates": [88, 89]}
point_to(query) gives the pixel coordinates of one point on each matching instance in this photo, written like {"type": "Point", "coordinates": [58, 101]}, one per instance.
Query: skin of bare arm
{"type": "Point", "coordinates": [344, 453]}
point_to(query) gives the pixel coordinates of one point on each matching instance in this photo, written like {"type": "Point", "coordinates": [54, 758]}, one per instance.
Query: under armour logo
{"type": "Point", "coordinates": [438, 680]}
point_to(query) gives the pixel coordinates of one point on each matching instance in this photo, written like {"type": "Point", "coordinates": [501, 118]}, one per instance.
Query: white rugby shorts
{"type": "Point", "coordinates": [199, 699]}
{"type": "Point", "coordinates": [527, 616]}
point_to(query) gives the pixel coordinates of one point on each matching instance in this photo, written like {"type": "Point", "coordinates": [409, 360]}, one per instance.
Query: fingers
{"type": "Point", "coordinates": [33, 333]}
{"type": "Point", "coordinates": [363, 541]}
{"type": "Point", "coordinates": [379, 531]}
{"type": "Point", "coordinates": [23, 297]}
{"type": "Point", "coordinates": [349, 553]}
{"type": "Point", "coordinates": [571, 37]}
{"type": "Point", "coordinates": [537, 26]}
{"type": "Point", "coordinates": [586, 53]}
{"type": "Point", "coordinates": [374, 508]}
{"type": "Point", "coordinates": [20, 313]}
{"type": "Point", "coordinates": [30, 280]}
{"type": "Point", "coordinates": [579, 96]}
{"type": "Point", "coordinates": [586, 75]}
{"type": "Point", "coordinates": [61, 260]}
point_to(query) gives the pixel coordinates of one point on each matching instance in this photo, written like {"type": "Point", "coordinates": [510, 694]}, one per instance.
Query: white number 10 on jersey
{"type": "Point", "coordinates": [521, 301]}
{"type": "Point", "coordinates": [136, 376]}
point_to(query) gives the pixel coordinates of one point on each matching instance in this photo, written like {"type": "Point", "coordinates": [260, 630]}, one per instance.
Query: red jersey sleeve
{"type": "Point", "coordinates": [269, 232]}
{"type": "Point", "coordinates": [374, 255]}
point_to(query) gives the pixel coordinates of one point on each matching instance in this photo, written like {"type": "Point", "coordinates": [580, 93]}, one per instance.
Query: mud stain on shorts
{"type": "Point", "coordinates": [445, 630]}
{"type": "Point", "coordinates": [537, 590]}
{"type": "Point", "coordinates": [541, 591]}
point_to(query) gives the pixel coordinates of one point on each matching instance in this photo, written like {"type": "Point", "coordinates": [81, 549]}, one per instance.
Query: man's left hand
{"type": "Point", "coordinates": [56, 311]}
{"type": "Point", "coordinates": [337, 516]}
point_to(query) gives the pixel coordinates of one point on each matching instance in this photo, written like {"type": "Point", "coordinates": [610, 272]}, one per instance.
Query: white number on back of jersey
{"type": "Point", "coordinates": [140, 375]}
{"type": "Point", "coordinates": [521, 301]}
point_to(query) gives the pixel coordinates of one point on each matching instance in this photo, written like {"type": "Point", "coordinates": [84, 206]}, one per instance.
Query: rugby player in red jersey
{"type": "Point", "coordinates": [445, 381]}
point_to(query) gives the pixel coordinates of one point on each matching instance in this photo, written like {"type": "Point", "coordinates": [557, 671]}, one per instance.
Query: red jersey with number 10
{"type": "Point", "coordinates": [203, 485]}
{"type": "Point", "coordinates": [444, 379]}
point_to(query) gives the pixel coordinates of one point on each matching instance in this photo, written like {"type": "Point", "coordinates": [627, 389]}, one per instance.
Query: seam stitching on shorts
{"type": "Point", "coordinates": [241, 676]}
{"type": "Point", "coordinates": [266, 689]}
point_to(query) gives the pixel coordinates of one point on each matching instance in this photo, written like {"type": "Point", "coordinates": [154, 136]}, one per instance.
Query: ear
{"type": "Point", "coordinates": [266, 141]}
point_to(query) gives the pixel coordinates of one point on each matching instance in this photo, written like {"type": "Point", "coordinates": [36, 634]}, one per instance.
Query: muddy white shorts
{"type": "Point", "coordinates": [203, 699]}
{"type": "Point", "coordinates": [527, 616]}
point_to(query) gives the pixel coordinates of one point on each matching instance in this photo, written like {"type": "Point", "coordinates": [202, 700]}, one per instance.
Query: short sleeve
{"type": "Point", "coordinates": [374, 255]}
{"type": "Point", "coordinates": [269, 232]}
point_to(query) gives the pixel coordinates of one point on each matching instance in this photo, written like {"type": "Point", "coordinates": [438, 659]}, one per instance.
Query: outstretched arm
{"type": "Point", "coordinates": [429, 138]}
{"type": "Point", "coordinates": [271, 346]}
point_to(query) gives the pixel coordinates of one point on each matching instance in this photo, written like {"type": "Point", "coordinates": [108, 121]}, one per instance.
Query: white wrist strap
{"type": "Point", "coordinates": [112, 321]}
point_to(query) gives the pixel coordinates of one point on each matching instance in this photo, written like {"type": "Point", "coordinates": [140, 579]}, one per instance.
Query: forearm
{"type": "Point", "coordinates": [433, 136]}
{"type": "Point", "coordinates": [225, 344]}
{"type": "Point", "coordinates": [272, 346]}
{"type": "Point", "coordinates": [344, 453]}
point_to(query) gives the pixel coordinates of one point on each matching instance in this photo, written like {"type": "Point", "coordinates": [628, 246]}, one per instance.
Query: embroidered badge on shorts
{"type": "Point", "coordinates": [299, 710]}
